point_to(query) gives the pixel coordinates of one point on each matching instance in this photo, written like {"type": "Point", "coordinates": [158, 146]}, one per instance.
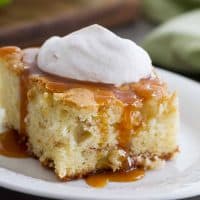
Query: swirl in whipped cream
{"type": "Point", "coordinates": [95, 54]}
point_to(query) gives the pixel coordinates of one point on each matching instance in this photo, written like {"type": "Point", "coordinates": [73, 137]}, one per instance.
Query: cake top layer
{"type": "Point", "coordinates": [23, 62]}
{"type": "Point", "coordinates": [126, 93]}
{"type": "Point", "coordinates": [72, 92]}
{"type": "Point", "coordinates": [95, 54]}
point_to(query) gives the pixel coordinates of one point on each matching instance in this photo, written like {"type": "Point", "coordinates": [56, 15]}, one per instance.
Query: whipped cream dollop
{"type": "Point", "coordinates": [94, 54]}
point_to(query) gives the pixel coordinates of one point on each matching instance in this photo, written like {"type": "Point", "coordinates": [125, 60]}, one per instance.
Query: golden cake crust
{"type": "Point", "coordinates": [13, 56]}
{"type": "Point", "coordinates": [80, 95]}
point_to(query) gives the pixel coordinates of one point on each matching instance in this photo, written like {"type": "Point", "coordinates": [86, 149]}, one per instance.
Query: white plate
{"type": "Point", "coordinates": [178, 179]}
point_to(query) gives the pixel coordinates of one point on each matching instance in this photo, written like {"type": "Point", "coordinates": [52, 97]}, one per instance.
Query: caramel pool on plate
{"type": "Point", "coordinates": [10, 145]}
{"type": "Point", "coordinates": [101, 180]}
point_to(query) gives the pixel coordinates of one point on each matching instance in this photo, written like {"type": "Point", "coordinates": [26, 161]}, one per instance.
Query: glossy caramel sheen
{"type": "Point", "coordinates": [24, 80]}
{"type": "Point", "coordinates": [132, 117]}
{"type": "Point", "coordinates": [10, 145]}
{"type": "Point", "coordinates": [101, 180]}
{"type": "Point", "coordinates": [131, 97]}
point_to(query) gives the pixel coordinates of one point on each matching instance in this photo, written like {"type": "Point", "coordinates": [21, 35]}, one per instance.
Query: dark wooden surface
{"type": "Point", "coordinates": [27, 23]}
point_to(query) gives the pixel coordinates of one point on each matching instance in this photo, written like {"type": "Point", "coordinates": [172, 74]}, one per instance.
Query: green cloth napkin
{"type": "Point", "coordinates": [4, 2]}
{"type": "Point", "coordinates": [162, 10]}
{"type": "Point", "coordinates": [176, 44]}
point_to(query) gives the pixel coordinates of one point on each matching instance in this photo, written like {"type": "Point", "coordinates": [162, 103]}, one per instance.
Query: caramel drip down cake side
{"type": "Point", "coordinates": [78, 128]}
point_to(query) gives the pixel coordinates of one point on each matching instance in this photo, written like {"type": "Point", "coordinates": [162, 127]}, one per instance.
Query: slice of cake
{"type": "Point", "coordinates": [78, 125]}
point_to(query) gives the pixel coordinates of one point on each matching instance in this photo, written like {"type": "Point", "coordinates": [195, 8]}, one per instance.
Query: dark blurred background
{"type": "Point", "coordinates": [30, 22]}
{"type": "Point", "coordinates": [26, 23]}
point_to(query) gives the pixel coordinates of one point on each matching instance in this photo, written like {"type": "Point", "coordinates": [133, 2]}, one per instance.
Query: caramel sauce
{"type": "Point", "coordinates": [130, 94]}
{"type": "Point", "coordinates": [131, 119]}
{"type": "Point", "coordinates": [24, 80]}
{"type": "Point", "coordinates": [152, 87]}
{"type": "Point", "coordinates": [133, 97]}
{"type": "Point", "coordinates": [10, 145]}
{"type": "Point", "coordinates": [101, 180]}
{"type": "Point", "coordinates": [5, 51]}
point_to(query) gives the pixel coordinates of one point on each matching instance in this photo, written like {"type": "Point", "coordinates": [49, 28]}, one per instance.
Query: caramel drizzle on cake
{"type": "Point", "coordinates": [12, 146]}
{"type": "Point", "coordinates": [131, 96]}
